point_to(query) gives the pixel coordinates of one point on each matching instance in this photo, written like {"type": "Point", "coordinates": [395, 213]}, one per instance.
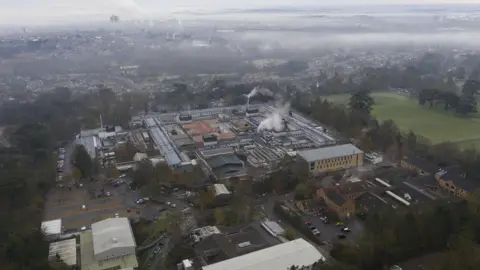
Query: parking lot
{"type": "Point", "coordinates": [329, 232]}
{"type": "Point", "coordinates": [82, 205]}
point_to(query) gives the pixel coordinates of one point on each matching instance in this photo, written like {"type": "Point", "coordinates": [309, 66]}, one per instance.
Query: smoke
{"type": "Point", "coordinates": [274, 121]}
{"type": "Point", "coordinates": [258, 90]}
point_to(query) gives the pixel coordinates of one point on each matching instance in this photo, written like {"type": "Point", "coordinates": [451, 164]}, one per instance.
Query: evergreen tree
{"type": "Point", "coordinates": [361, 101]}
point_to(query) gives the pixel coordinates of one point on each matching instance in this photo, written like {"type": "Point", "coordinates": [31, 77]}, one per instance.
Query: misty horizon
{"type": "Point", "coordinates": [53, 12]}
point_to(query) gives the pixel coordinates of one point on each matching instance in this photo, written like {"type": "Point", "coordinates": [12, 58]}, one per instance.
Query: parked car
{"type": "Point", "coordinates": [312, 227]}
{"type": "Point", "coordinates": [345, 229]}
{"type": "Point", "coordinates": [308, 222]}
{"type": "Point", "coordinates": [156, 250]}
{"type": "Point", "coordinates": [173, 205]}
{"type": "Point", "coordinates": [316, 232]}
{"type": "Point", "coordinates": [339, 224]}
{"type": "Point", "coordinates": [341, 236]}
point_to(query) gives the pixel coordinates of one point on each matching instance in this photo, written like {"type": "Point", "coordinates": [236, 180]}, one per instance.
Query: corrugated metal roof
{"type": "Point", "coordinates": [52, 227]}
{"type": "Point", "coordinates": [111, 233]}
{"type": "Point", "coordinates": [165, 146]}
{"type": "Point", "coordinates": [66, 249]}
{"type": "Point", "coordinates": [329, 152]}
{"type": "Point", "coordinates": [297, 252]}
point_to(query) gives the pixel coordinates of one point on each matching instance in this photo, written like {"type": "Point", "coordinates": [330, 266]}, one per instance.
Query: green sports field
{"type": "Point", "coordinates": [434, 124]}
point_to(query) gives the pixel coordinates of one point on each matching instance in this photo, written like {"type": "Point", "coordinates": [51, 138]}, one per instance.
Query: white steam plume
{"type": "Point", "coordinates": [257, 90]}
{"type": "Point", "coordinates": [274, 121]}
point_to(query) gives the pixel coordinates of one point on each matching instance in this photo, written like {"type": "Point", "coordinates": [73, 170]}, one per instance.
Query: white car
{"type": "Point", "coordinates": [117, 215]}
{"type": "Point", "coordinates": [169, 203]}
{"type": "Point", "coordinates": [84, 207]}
{"type": "Point", "coordinates": [173, 205]}
{"type": "Point", "coordinates": [108, 193]}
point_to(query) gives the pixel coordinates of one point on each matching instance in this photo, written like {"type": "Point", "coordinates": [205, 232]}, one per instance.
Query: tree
{"type": "Point", "coordinates": [76, 174]}
{"type": "Point", "coordinates": [467, 104]}
{"type": "Point", "coordinates": [112, 172]}
{"type": "Point", "coordinates": [220, 218]}
{"type": "Point", "coordinates": [82, 160]}
{"type": "Point", "coordinates": [302, 192]}
{"type": "Point", "coordinates": [470, 87]}
{"type": "Point", "coordinates": [361, 101]}
{"type": "Point", "coordinates": [290, 234]}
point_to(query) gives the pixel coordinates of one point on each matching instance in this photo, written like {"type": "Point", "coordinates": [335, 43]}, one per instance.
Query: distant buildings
{"type": "Point", "coordinates": [332, 158]}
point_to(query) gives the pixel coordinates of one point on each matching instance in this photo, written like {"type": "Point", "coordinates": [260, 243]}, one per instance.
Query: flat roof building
{"type": "Point", "coordinates": [283, 256]}
{"type": "Point", "coordinates": [331, 158]}
{"type": "Point", "coordinates": [66, 250]}
{"type": "Point", "coordinates": [109, 245]}
{"type": "Point", "coordinates": [52, 228]}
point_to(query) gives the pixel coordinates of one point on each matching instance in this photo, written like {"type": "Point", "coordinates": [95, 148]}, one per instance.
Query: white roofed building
{"type": "Point", "coordinates": [52, 228]}
{"type": "Point", "coordinates": [112, 237]}
{"type": "Point", "coordinates": [221, 189]}
{"type": "Point", "coordinates": [65, 249]}
{"type": "Point", "coordinates": [109, 244]}
{"type": "Point", "coordinates": [283, 256]}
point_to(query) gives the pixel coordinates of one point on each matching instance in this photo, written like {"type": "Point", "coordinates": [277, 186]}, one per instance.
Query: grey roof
{"type": "Point", "coordinates": [460, 181]}
{"type": "Point", "coordinates": [329, 152]}
{"type": "Point", "coordinates": [371, 201]}
{"type": "Point", "coordinates": [165, 147]}
{"type": "Point", "coordinates": [66, 249]}
{"type": "Point", "coordinates": [223, 160]}
{"type": "Point", "coordinates": [423, 164]}
{"type": "Point", "coordinates": [334, 196]}
{"type": "Point", "coordinates": [410, 193]}
{"type": "Point", "coordinates": [111, 233]}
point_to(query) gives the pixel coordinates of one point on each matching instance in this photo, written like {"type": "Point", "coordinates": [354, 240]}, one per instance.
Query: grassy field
{"type": "Point", "coordinates": [434, 124]}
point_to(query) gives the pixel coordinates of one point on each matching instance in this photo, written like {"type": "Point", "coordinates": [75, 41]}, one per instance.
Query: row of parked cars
{"type": "Point", "coordinates": [316, 232]}
{"type": "Point", "coordinates": [60, 163]}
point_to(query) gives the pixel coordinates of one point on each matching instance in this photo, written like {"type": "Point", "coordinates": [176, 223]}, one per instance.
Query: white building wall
{"type": "Point", "coordinates": [115, 252]}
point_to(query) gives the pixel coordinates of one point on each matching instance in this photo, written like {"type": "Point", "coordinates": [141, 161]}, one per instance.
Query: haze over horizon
{"type": "Point", "coordinates": [30, 12]}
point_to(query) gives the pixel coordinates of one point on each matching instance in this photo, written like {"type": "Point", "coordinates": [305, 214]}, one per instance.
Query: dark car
{"type": "Point", "coordinates": [341, 236]}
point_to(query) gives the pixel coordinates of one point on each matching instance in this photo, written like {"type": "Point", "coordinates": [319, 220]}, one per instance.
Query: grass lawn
{"type": "Point", "coordinates": [434, 124]}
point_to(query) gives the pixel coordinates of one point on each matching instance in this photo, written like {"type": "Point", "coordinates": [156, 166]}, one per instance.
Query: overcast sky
{"type": "Point", "coordinates": [38, 11]}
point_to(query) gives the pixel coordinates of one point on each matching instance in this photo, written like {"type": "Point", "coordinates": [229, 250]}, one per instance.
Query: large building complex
{"type": "Point", "coordinates": [331, 158]}
{"type": "Point", "coordinates": [283, 256]}
{"type": "Point", "coordinates": [228, 141]}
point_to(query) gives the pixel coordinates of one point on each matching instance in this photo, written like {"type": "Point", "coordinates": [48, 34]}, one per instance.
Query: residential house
{"type": "Point", "coordinates": [426, 182]}
{"type": "Point", "coordinates": [342, 206]}
{"type": "Point", "coordinates": [456, 184]}
{"type": "Point", "coordinates": [420, 165]}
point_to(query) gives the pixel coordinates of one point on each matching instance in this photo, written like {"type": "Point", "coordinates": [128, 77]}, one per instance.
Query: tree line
{"type": "Point", "coordinates": [464, 104]}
